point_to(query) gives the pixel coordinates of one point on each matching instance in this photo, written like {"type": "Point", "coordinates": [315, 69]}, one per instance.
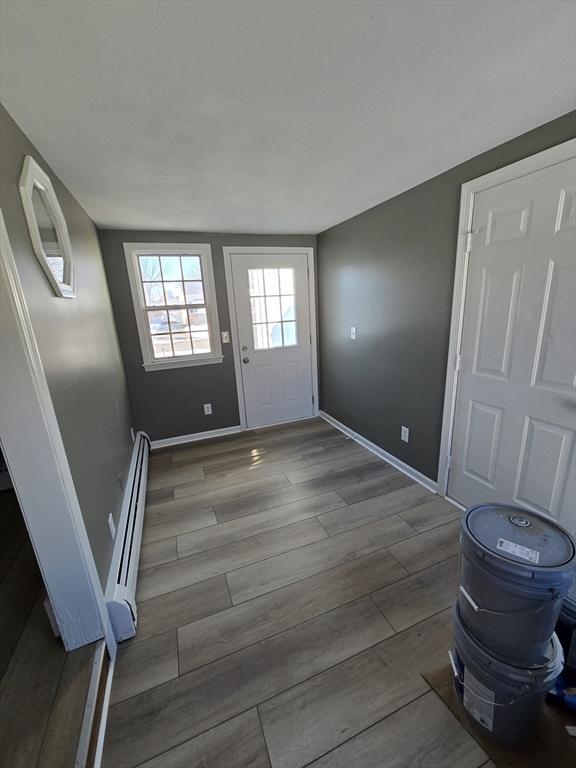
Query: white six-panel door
{"type": "Point", "coordinates": [272, 308]}
{"type": "Point", "coordinates": [515, 417]}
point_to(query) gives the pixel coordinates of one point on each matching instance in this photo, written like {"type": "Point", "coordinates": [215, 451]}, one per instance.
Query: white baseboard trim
{"type": "Point", "coordinates": [194, 437]}
{"type": "Point", "coordinates": [382, 454]}
{"type": "Point", "coordinates": [104, 715]}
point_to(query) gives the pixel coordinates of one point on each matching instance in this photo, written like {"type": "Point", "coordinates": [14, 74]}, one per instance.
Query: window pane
{"type": "Point", "coordinates": [158, 322]}
{"type": "Point", "coordinates": [275, 334]}
{"type": "Point", "coordinates": [201, 342]}
{"type": "Point", "coordinates": [191, 268]}
{"type": "Point", "coordinates": [170, 267]}
{"type": "Point", "coordinates": [271, 282]}
{"type": "Point", "coordinates": [150, 268]}
{"type": "Point", "coordinates": [162, 346]}
{"type": "Point", "coordinates": [174, 293]}
{"type": "Point", "coordinates": [256, 282]}
{"type": "Point", "coordinates": [178, 320]}
{"type": "Point", "coordinates": [194, 293]}
{"type": "Point", "coordinates": [273, 309]}
{"type": "Point", "coordinates": [154, 294]}
{"type": "Point", "coordinates": [286, 281]}
{"type": "Point", "coordinates": [260, 336]}
{"type": "Point", "coordinates": [258, 310]}
{"type": "Point", "coordinates": [182, 345]}
{"type": "Point", "coordinates": [288, 308]}
{"type": "Point", "coordinates": [198, 319]}
{"type": "Point", "coordinates": [289, 334]}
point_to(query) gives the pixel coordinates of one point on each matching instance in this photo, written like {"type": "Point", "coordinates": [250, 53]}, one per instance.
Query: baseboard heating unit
{"type": "Point", "coordinates": [121, 587]}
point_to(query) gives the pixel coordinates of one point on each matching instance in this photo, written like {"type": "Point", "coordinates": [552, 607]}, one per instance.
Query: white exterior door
{"type": "Point", "coordinates": [271, 297]}
{"type": "Point", "coordinates": [515, 418]}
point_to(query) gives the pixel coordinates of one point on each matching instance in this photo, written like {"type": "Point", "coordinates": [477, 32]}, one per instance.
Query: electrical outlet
{"type": "Point", "coordinates": [207, 409]}
{"type": "Point", "coordinates": [353, 332]}
{"type": "Point", "coordinates": [405, 434]}
{"type": "Point", "coordinates": [112, 526]}
{"type": "Point", "coordinates": [225, 337]}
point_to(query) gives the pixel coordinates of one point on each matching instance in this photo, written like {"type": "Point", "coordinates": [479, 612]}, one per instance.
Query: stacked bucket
{"type": "Point", "coordinates": [516, 569]}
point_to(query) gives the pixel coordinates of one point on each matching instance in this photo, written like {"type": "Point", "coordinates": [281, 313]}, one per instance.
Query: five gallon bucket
{"type": "Point", "coordinates": [505, 700]}
{"type": "Point", "coordinates": [516, 569]}
{"type": "Point", "coordinates": [566, 631]}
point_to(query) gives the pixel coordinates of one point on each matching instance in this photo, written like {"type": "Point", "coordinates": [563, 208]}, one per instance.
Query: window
{"type": "Point", "coordinates": [175, 304]}
{"type": "Point", "coordinates": [272, 302]}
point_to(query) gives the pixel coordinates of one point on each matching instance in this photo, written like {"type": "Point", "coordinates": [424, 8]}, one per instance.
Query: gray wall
{"type": "Point", "coordinates": [390, 272]}
{"type": "Point", "coordinates": [169, 402]}
{"type": "Point", "coordinates": [79, 348]}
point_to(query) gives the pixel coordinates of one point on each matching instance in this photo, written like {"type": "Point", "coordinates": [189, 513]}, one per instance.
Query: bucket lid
{"type": "Point", "coordinates": [519, 535]}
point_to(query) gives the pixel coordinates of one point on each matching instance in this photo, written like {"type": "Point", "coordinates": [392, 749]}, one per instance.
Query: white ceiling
{"type": "Point", "coordinates": [274, 116]}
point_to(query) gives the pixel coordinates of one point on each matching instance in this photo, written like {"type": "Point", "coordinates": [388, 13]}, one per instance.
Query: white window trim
{"type": "Point", "coordinates": [150, 363]}
{"type": "Point", "coordinates": [33, 176]}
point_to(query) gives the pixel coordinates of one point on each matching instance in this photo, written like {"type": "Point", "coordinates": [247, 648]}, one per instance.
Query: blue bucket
{"type": "Point", "coordinates": [504, 700]}
{"type": "Point", "coordinates": [516, 568]}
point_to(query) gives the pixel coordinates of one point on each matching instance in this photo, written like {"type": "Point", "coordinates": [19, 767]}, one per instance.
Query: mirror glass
{"type": "Point", "coordinates": [48, 233]}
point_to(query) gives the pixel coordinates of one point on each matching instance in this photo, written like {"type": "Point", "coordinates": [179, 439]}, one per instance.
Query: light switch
{"type": "Point", "coordinates": [225, 337]}
{"type": "Point", "coordinates": [353, 332]}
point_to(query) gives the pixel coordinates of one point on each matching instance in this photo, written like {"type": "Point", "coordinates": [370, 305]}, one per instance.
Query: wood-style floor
{"type": "Point", "coordinates": [293, 589]}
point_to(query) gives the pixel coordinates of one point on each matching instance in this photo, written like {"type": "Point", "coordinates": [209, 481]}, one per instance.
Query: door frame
{"type": "Point", "coordinates": [470, 189]}
{"type": "Point", "coordinates": [230, 251]}
{"type": "Point", "coordinates": [42, 479]}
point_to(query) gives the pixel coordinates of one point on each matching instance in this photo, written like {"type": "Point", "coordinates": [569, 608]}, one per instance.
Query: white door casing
{"type": "Point", "coordinates": [272, 310]}
{"type": "Point", "coordinates": [514, 425]}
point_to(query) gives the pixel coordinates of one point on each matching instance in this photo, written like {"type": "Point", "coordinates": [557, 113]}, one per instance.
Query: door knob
{"type": "Point", "coordinates": [245, 360]}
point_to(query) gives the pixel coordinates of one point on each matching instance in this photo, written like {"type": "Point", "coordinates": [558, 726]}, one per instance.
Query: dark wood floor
{"type": "Point", "coordinates": [43, 689]}
{"type": "Point", "coordinates": [293, 589]}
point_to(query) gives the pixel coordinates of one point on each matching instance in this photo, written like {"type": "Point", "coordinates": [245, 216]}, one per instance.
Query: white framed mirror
{"type": "Point", "coordinates": [47, 226]}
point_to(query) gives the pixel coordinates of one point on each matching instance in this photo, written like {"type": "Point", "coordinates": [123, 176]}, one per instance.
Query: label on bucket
{"type": "Point", "coordinates": [517, 549]}
{"type": "Point", "coordinates": [478, 700]}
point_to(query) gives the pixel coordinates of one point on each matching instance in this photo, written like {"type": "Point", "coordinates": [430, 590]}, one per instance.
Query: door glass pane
{"type": "Point", "coordinates": [198, 319]}
{"type": "Point", "coordinates": [273, 309]}
{"type": "Point", "coordinates": [170, 267]}
{"type": "Point", "coordinates": [286, 281]}
{"type": "Point", "coordinates": [158, 322]}
{"type": "Point", "coordinates": [256, 282]}
{"type": "Point", "coordinates": [154, 294]}
{"type": "Point", "coordinates": [178, 320]}
{"type": "Point", "coordinates": [150, 268]}
{"type": "Point", "coordinates": [274, 335]}
{"type": "Point", "coordinates": [260, 336]}
{"type": "Point", "coordinates": [271, 283]}
{"type": "Point", "coordinates": [194, 293]}
{"type": "Point", "coordinates": [288, 308]}
{"type": "Point", "coordinates": [289, 334]}
{"type": "Point", "coordinates": [191, 268]}
{"type": "Point", "coordinates": [162, 346]}
{"type": "Point", "coordinates": [258, 306]}
{"type": "Point", "coordinates": [174, 293]}
{"type": "Point", "coordinates": [182, 345]}
{"type": "Point", "coordinates": [201, 342]}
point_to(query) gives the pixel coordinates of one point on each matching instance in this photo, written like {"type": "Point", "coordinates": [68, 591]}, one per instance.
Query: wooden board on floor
{"type": "Point", "coordinates": [551, 745]}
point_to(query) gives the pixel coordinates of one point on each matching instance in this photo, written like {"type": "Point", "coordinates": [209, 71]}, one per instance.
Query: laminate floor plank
{"type": "Point", "coordinates": [158, 552]}
{"type": "Point", "coordinates": [144, 665]}
{"type": "Point", "coordinates": [376, 508]}
{"type": "Point", "coordinates": [431, 514]}
{"type": "Point", "coordinates": [182, 606]}
{"type": "Point", "coordinates": [428, 548]}
{"type": "Point", "coordinates": [421, 595]}
{"type": "Point", "coordinates": [174, 525]}
{"type": "Point", "coordinates": [332, 465]}
{"type": "Point", "coordinates": [152, 722]}
{"type": "Point", "coordinates": [385, 482]}
{"type": "Point", "coordinates": [166, 477]}
{"type": "Point", "coordinates": [155, 513]}
{"type": "Point", "coordinates": [214, 491]}
{"type": "Point", "coordinates": [311, 718]}
{"type": "Point", "coordinates": [237, 743]}
{"type": "Point", "coordinates": [205, 565]}
{"type": "Point", "coordinates": [247, 623]}
{"type": "Point", "coordinates": [252, 525]}
{"type": "Point", "coordinates": [275, 572]}
{"type": "Point", "coordinates": [423, 734]}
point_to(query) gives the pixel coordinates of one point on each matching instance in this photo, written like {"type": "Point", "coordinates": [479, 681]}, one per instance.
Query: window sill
{"type": "Point", "coordinates": [161, 365]}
